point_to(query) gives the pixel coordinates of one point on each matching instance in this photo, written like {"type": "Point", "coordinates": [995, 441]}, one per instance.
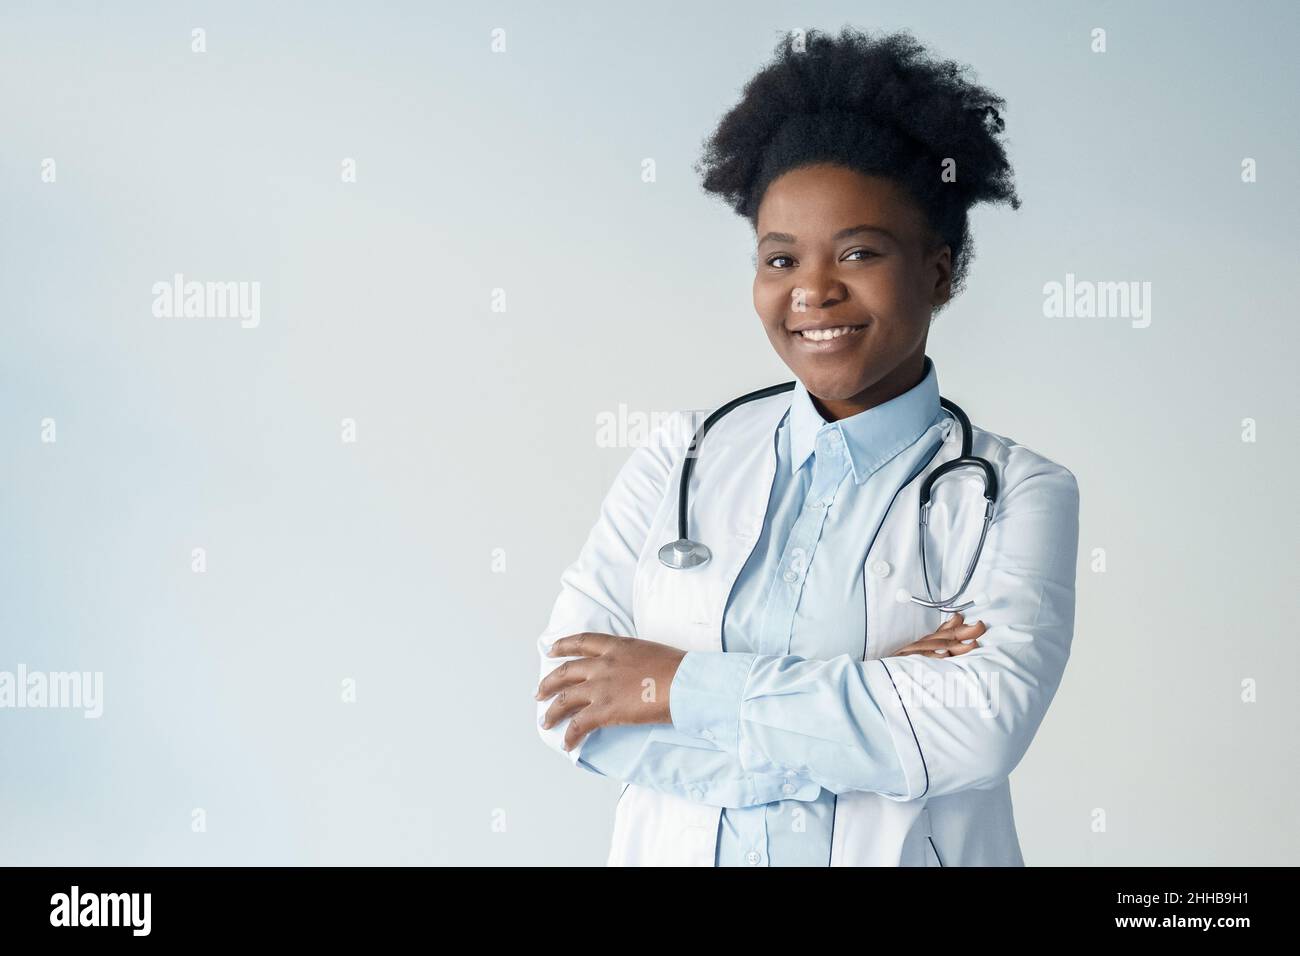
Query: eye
{"type": "Point", "coordinates": [772, 261]}
{"type": "Point", "coordinates": [865, 252]}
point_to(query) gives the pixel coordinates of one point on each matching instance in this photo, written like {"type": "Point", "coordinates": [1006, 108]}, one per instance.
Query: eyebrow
{"type": "Point", "coordinates": [842, 234]}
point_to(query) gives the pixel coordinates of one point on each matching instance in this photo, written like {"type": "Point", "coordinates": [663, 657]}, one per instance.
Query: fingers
{"type": "Point", "coordinates": [581, 725]}
{"type": "Point", "coordinates": [566, 675]}
{"type": "Point", "coordinates": [581, 645]}
{"type": "Point", "coordinates": [965, 638]}
{"type": "Point", "coordinates": [568, 684]}
{"type": "Point", "coordinates": [946, 642]}
{"type": "Point", "coordinates": [585, 647]}
{"type": "Point", "coordinates": [567, 703]}
{"type": "Point", "coordinates": [950, 638]}
{"type": "Point", "coordinates": [584, 717]}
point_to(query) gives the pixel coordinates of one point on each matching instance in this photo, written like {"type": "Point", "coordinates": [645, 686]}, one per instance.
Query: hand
{"type": "Point", "coordinates": [616, 680]}
{"type": "Point", "coordinates": [947, 641]}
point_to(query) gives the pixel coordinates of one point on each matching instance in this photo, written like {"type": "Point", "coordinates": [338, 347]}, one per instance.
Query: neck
{"type": "Point", "coordinates": [905, 377]}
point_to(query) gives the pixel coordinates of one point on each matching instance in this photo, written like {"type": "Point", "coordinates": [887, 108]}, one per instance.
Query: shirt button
{"type": "Point", "coordinates": [790, 577]}
{"type": "Point", "coordinates": [754, 857]}
{"type": "Point", "coordinates": [788, 789]}
{"type": "Point", "coordinates": [695, 793]}
{"type": "Point", "coordinates": [880, 569]}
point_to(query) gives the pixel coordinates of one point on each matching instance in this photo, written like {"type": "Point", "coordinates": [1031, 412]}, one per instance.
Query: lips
{"type": "Point", "coordinates": [822, 338]}
{"type": "Point", "coordinates": [824, 333]}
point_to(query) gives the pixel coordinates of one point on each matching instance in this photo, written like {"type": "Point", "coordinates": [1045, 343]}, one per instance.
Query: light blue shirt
{"type": "Point", "coordinates": [799, 597]}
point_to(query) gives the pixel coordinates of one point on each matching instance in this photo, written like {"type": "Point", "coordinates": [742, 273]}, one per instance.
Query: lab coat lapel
{"type": "Point", "coordinates": [892, 571]}
{"type": "Point", "coordinates": [731, 484]}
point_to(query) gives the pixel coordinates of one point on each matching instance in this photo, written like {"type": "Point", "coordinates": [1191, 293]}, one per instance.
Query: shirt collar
{"type": "Point", "coordinates": [872, 437]}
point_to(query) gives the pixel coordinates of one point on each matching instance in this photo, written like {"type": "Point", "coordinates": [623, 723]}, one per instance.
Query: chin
{"type": "Point", "coordinates": [835, 388]}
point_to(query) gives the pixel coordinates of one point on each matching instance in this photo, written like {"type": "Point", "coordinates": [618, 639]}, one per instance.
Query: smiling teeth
{"type": "Point", "coordinates": [823, 335]}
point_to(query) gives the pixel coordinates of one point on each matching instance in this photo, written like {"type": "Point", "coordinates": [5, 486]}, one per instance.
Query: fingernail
{"type": "Point", "coordinates": [941, 651]}
{"type": "Point", "coordinates": [969, 640]}
{"type": "Point", "coordinates": [541, 721]}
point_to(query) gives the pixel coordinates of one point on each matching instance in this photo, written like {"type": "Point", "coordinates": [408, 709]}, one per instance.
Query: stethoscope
{"type": "Point", "coordinates": [685, 553]}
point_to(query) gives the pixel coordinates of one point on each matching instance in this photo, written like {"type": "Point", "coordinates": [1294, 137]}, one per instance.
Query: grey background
{"type": "Point", "coordinates": [476, 429]}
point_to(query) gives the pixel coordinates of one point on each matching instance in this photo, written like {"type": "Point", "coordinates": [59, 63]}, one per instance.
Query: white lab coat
{"type": "Point", "coordinates": [956, 754]}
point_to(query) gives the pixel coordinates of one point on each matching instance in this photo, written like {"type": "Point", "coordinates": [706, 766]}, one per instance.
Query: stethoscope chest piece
{"type": "Point", "coordinates": [684, 553]}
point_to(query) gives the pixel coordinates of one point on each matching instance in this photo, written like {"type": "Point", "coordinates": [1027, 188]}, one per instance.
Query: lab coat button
{"type": "Point", "coordinates": [788, 789]}
{"type": "Point", "coordinates": [790, 577]}
{"type": "Point", "coordinates": [754, 858]}
{"type": "Point", "coordinates": [880, 569]}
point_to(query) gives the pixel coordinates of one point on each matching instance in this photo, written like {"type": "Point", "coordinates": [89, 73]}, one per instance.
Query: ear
{"type": "Point", "coordinates": [940, 267]}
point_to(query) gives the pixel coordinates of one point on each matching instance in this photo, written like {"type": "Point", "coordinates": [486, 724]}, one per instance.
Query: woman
{"type": "Point", "coordinates": [784, 703]}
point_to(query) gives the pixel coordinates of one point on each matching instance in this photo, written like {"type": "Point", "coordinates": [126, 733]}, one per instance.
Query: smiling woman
{"type": "Point", "coordinates": [872, 156]}
{"type": "Point", "coordinates": [848, 310]}
{"type": "Point", "coordinates": [783, 696]}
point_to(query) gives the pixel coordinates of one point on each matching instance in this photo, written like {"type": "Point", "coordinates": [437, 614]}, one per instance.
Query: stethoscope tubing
{"type": "Point", "coordinates": [685, 553]}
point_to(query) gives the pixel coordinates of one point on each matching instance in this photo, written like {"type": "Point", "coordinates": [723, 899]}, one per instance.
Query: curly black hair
{"type": "Point", "coordinates": [880, 105]}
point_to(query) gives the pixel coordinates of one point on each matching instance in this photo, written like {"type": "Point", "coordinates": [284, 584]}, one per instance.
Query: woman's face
{"type": "Point", "coordinates": [840, 249]}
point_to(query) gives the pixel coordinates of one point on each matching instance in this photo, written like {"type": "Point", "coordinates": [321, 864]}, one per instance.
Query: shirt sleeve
{"type": "Point", "coordinates": [810, 722]}
{"type": "Point", "coordinates": [910, 726]}
{"type": "Point", "coordinates": [663, 758]}
{"type": "Point", "coordinates": [596, 589]}
{"type": "Point", "coordinates": [596, 595]}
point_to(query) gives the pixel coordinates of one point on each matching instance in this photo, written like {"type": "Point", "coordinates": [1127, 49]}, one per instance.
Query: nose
{"type": "Point", "coordinates": [816, 292]}
{"type": "Point", "coordinates": [818, 286]}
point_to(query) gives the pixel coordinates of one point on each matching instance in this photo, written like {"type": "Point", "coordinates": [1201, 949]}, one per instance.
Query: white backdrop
{"type": "Point", "coordinates": [343, 673]}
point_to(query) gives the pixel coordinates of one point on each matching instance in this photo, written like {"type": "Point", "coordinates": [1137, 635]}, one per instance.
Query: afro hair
{"type": "Point", "coordinates": [879, 105]}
